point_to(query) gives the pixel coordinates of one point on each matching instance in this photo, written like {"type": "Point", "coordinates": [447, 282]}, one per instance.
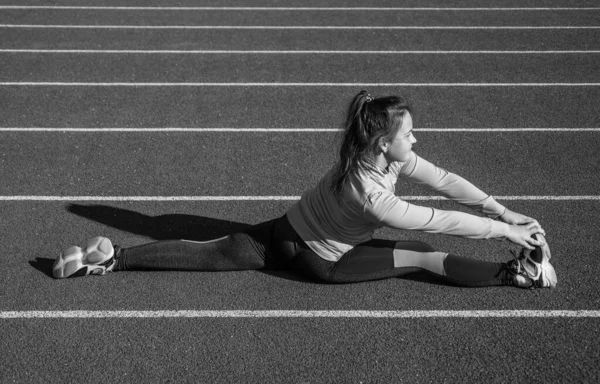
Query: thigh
{"type": "Point", "coordinates": [277, 241]}
{"type": "Point", "coordinates": [313, 266]}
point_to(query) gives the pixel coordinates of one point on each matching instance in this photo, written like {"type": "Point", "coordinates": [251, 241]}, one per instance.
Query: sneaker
{"type": "Point", "coordinates": [532, 269]}
{"type": "Point", "coordinates": [96, 259]}
{"type": "Point", "coordinates": [540, 253]}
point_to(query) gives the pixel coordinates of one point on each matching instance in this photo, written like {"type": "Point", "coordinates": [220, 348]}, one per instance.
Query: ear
{"type": "Point", "coordinates": [383, 145]}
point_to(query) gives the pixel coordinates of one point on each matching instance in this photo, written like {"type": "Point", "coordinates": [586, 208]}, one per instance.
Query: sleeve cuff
{"type": "Point", "coordinates": [499, 230]}
{"type": "Point", "coordinates": [491, 208]}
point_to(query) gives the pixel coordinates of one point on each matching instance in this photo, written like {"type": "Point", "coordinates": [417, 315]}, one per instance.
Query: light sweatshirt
{"type": "Point", "coordinates": [332, 227]}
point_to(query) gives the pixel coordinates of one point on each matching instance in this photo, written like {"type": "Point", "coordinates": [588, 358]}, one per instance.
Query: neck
{"type": "Point", "coordinates": [380, 160]}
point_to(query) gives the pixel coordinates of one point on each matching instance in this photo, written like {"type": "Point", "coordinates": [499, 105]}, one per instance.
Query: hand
{"type": "Point", "coordinates": [510, 217]}
{"type": "Point", "coordinates": [521, 234]}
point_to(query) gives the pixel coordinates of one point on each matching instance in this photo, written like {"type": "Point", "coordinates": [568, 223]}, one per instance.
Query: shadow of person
{"type": "Point", "coordinates": [43, 265]}
{"type": "Point", "coordinates": [163, 227]}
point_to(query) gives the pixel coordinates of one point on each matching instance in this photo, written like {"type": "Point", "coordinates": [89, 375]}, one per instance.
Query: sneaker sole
{"type": "Point", "coordinates": [537, 266]}
{"type": "Point", "coordinates": [548, 277]}
{"type": "Point", "coordinates": [90, 260]}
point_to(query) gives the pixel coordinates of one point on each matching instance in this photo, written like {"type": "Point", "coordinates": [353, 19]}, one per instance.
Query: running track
{"type": "Point", "coordinates": [103, 132]}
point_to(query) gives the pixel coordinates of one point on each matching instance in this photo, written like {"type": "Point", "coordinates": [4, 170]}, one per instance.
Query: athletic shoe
{"type": "Point", "coordinates": [532, 269]}
{"type": "Point", "coordinates": [541, 253]}
{"type": "Point", "coordinates": [96, 259]}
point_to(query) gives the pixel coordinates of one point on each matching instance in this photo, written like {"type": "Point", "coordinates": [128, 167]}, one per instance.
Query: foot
{"type": "Point", "coordinates": [96, 259]}
{"type": "Point", "coordinates": [540, 253]}
{"type": "Point", "coordinates": [532, 269]}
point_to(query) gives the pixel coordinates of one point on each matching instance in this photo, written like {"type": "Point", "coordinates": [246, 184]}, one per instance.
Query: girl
{"type": "Point", "coordinates": [327, 235]}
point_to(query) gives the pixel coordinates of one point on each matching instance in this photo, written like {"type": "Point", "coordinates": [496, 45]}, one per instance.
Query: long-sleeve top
{"type": "Point", "coordinates": [332, 226]}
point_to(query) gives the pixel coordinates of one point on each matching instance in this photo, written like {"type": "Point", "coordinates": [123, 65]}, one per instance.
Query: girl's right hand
{"type": "Point", "coordinates": [521, 235]}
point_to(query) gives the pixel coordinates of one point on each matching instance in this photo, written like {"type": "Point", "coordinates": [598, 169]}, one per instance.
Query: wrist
{"type": "Point", "coordinates": [493, 209]}
{"type": "Point", "coordinates": [500, 217]}
{"type": "Point", "coordinates": [501, 230]}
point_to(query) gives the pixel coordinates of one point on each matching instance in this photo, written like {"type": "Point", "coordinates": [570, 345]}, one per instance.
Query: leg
{"type": "Point", "coordinates": [380, 259]}
{"type": "Point", "coordinates": [248, 250]}
{"type": "Point", "coordinates": [233, 252]}
{"type": "Point", "coordinates": [251, 249]}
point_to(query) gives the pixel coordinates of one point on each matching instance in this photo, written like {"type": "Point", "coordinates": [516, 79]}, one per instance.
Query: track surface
{"type": "Point", "coordinates": [519, 165]}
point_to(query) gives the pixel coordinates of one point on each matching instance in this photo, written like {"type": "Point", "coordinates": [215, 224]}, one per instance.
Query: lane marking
{"type": "Point", "coordinates": [300, 27]}
{"type": "Point", "coordinates": [195, 84]}
{"type": "Point", "coordinates": [182, 8]}
{"type": "Point", "coordinates": [507, 129]}
{"type": "Point", "coordinates": [168, 129]}
{"type": "Point", "coordinates": [265, 198]}
{"type": "Point", "coordinates": [272, 130]}
{"type": "Point", "coordinates": [288, 52]}
{"type": "Point", "coordinates": [302, 314]}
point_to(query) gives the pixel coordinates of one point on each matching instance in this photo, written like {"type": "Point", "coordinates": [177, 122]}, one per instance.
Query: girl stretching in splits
{"type": "Point", "coordinates": [327, 235]}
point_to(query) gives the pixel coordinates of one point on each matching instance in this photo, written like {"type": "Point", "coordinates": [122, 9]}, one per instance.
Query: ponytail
{"type": "Point", "coordinates": [367, 121]}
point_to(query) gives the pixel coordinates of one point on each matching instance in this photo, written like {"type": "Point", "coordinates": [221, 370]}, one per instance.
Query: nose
{"type": "Point", "coordinates": [413, 139]}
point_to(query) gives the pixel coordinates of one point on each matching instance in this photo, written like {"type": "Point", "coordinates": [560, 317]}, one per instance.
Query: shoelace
{"type": "Point", "coordinates": [518, 255]}
{"type": "Point", "coordinates": [515, 267]}
{"type": "Point", "coordinates": [508, 271]}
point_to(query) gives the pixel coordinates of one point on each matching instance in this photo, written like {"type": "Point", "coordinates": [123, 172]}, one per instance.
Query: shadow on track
{"type": "Point", "coordinates": [43, 265]}
{"type": "Point", "coordinates": [163, 227]}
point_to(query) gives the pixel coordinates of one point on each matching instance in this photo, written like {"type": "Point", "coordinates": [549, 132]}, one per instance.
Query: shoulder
{"type": "Point", "coordinates": [404, 167]}
{"type": "Point", "coordinates": [379, 203]}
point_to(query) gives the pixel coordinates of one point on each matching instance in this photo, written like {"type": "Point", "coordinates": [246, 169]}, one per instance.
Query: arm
{"type": "Point", "coordinates": [385, 208]}
{"type": "Point", "coordinates": [450, 185]}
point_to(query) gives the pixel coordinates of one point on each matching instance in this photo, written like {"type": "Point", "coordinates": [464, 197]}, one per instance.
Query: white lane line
{"type": "Point", "coordinates": [302, 314]}
{"type": "Point", "coordinates": [195, 84]}
{"type": "Point", "coordinates": [273, 130]}
{"type": "Point", "coordinates": [168, 129]}
{"type": "Point", "coordinates": [182, 8]}
{"type": "Point", "coordinates": [507, 130]}
{"type": "Point", "coordinates": [265, 198]}
{"type": "Point", "coordinates": [297, 27]}
{"type": "Point", "coordinates": [148, 198]}
{"type": "Point", "coordinates": [290, 52]}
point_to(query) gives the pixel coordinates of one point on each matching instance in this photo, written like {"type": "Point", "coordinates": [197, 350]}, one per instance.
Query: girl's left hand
{"type": "Point", "coordinates": [511, 217]}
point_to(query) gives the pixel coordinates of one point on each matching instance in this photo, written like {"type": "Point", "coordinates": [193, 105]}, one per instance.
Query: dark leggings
{"type": "Point", "coordinates": [276, 245]}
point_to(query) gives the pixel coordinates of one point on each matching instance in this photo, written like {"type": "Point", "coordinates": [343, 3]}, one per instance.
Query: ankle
{"type": "Point", "coordinates": [119, 260]}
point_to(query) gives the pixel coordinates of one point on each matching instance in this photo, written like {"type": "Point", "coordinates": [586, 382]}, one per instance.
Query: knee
{"type": "Point", "coordinates": [242, 252]}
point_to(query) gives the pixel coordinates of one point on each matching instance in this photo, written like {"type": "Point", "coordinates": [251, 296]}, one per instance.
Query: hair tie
{"type": "Point", "coordinates": [369, 98]}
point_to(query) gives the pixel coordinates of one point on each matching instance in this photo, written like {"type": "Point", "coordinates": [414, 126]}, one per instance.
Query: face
{"type": "Point", "coordinates": [399, 148]}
